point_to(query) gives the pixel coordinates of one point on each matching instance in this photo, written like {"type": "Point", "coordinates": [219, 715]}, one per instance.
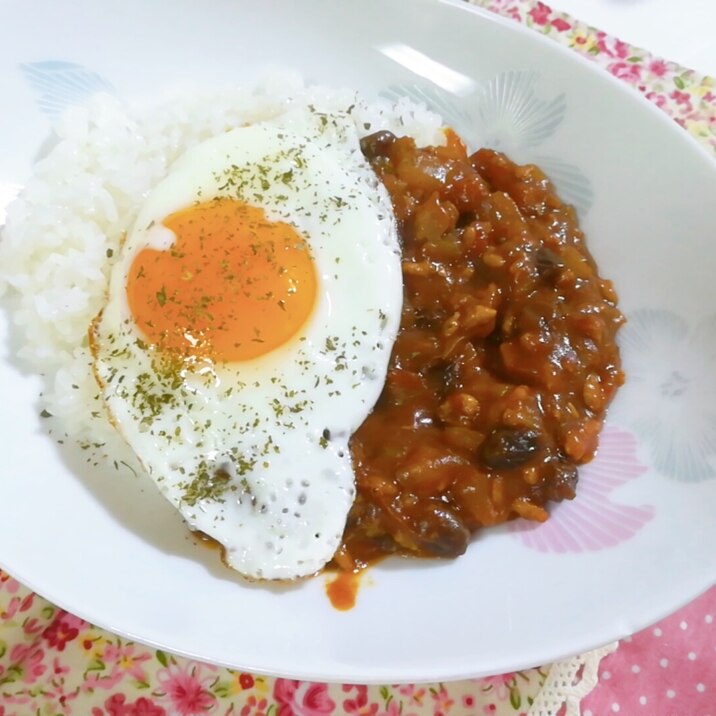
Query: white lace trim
{"type": "Point", "coordinates": [569, 682]}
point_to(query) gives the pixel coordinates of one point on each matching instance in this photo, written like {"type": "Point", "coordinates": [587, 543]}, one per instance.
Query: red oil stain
{"type": "Point", "coordinates": [204, 540]}
{"type": "Point", "coordinates": [343, 590]}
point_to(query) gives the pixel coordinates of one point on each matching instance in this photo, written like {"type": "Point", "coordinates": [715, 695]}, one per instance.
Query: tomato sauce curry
{"type": "Point", "coordinates": [504, 365]}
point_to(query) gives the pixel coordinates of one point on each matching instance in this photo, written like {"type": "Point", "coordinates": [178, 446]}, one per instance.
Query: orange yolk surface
{"type": "Point", "coordinates": [233, 286]}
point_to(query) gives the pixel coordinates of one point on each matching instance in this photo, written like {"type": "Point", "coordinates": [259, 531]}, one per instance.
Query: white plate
{"type": "Point", "coordinates": [637, 542]}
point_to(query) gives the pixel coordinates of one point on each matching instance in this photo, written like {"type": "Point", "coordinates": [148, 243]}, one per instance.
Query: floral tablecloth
{"type": "Point", "coordinates": [52, 662]}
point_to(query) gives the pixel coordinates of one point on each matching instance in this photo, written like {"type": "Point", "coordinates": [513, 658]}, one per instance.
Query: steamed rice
{"type": "Point", "coordinates": [63, 234]}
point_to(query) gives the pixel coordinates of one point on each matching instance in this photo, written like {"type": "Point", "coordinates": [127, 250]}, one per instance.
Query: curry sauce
{"type": "Point", "coordinates": [505, 362]}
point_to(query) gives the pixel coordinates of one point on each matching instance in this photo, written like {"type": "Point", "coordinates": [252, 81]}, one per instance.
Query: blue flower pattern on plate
{"type": "Point", "coordinates": [670, 368]}
{"type": "Point", "coordinates": [506, 113]}
{"type": "Point", "coordinates": [511, 116]}
{"type": "Point", "coordinates": [59, 84]}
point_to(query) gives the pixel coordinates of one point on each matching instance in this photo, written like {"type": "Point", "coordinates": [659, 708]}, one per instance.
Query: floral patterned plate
{"type": "Point", "coordinates": [636, 543]}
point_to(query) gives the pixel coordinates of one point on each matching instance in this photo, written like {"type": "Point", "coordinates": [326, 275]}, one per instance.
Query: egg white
{"type": "Point", "coordinates": [277, 426]}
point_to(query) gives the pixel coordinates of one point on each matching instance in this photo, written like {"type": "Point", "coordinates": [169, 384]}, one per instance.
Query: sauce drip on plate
{"type": "Point", "coordinates": [342, 591]}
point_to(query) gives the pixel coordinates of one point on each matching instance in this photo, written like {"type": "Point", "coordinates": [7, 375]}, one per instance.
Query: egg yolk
{"type": "Point", "coordinates": [232, 287]}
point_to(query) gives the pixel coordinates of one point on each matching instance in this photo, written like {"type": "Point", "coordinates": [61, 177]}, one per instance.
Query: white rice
{"type": "Point", "coordinates": [63, 233]}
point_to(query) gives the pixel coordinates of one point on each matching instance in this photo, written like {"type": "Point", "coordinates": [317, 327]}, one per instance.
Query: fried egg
{"type": "Point", "coordinates": [246, 335]}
